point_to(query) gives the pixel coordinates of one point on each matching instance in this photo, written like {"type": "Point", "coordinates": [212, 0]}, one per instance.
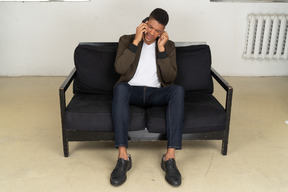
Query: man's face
{"type": "Point", "coordinates": [154, 30]}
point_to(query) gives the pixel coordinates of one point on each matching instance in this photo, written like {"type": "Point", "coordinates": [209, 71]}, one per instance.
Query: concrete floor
{"type": "Point", "coordinates": [31, 156]}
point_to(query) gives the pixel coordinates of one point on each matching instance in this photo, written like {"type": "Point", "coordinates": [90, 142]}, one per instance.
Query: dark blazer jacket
{"type": "Point", "coordinates": [128, 56]}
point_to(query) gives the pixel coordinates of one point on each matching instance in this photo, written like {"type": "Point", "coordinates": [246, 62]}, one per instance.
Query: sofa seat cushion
{"type": "Point", "coordinates": [202, 113]}
{"type": "Point", "coordinates": [93, 112]}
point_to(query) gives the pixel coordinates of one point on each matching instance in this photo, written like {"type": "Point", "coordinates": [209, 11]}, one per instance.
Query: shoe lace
{"type": "Point", "coordinates": [172, 169]}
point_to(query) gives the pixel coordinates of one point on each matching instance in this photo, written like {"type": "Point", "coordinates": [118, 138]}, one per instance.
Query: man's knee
{"type": "Point", "coordinates": [121, 88]}
{"type": "Point", "coordinates": [178, 90]}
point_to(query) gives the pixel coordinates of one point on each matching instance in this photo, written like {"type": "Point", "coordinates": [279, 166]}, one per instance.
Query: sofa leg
{"type": "Point", "coordinates": [224, 147]}
{"type": "Point", "coordinates": [66, 148]}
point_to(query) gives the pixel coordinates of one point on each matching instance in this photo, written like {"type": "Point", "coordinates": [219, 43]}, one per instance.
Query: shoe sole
{"type": "Point", "coordinates": [117, 185]}
{"type": "Point", "coordinates": [171, 183]}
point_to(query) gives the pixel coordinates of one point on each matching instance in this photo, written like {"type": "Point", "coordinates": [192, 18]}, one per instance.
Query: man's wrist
{"type": "Point", "coordinates": [135, 42]}
{"type": "Point", "coordinates": [161, 49]}
{"type": "Point", "coordinates": [162, 55]}
{"type": "Point", "coordinates": [133, 48]}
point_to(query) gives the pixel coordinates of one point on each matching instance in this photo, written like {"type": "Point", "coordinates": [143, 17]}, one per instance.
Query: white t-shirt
{"type": "Point", "coordinates": [146, 72]}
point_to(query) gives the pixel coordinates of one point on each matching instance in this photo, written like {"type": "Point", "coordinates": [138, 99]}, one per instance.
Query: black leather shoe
{"type": "Point", "coordinates": [118, 175]}
{"type": "Point", "coordinates": [173, 176]}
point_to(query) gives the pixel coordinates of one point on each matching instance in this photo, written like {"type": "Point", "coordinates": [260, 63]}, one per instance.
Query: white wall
{"type": "Point", "coordinates": [39, 38]}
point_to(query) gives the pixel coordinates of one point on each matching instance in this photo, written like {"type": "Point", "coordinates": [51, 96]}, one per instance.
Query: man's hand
{"type": "Point", "coordinates": [163, 39]}
{"type": "Point", "coordinates": [142, 28]}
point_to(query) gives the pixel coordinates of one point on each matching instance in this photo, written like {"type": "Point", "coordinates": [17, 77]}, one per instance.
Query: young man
{"type": "Point", "coordinates": [146, 62]}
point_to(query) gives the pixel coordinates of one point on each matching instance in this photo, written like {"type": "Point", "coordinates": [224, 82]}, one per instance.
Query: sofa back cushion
{"type": "Point", "coordinates": [194, 68]}
{"type": "Point", "coordinates": [95, 68]}
{"type": "Point", "coordinates": [94, 64]}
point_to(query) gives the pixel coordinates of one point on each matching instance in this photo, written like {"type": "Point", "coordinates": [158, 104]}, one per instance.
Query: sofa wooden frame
{"type": "Point", "coordinates": [69, 135]}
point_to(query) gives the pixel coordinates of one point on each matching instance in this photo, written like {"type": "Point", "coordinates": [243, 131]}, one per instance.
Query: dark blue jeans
{"type": "Point", "coordinates": [125, 95]}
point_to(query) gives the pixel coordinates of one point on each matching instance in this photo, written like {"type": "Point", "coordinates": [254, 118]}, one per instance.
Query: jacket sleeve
{"type": "Point", "coordinates": [125, 55]}
{"type": "Point", "coordinates": [167, 63]}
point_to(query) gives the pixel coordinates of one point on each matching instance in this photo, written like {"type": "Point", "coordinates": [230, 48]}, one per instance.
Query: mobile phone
{"type": "Point", "coordinates": [146, 19]}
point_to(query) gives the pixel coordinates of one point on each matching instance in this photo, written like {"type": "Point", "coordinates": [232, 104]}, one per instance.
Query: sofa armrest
{"type": "Point", "coordinates": [228, 88]}
{"type": "Point", "coordinates": [228, 106]}
{"type": "Point", "coordinates": [220, 80]}
{"type": "Point", "coordinates": [68, 80]}
{"type": "Point", "coordinates": [62, 90]}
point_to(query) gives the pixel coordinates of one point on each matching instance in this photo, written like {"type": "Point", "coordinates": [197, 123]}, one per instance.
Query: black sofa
{"type": "Point", "coordinates": [87, 117]}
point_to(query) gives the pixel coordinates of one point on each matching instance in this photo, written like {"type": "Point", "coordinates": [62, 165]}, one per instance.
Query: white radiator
{"type": "Point", "coordinates": [266, 37]}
